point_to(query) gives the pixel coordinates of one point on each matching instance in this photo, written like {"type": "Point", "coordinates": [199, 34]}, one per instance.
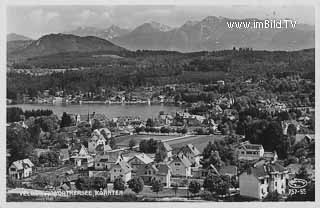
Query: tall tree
{"type": "Point", "coordinates": [65, 120]}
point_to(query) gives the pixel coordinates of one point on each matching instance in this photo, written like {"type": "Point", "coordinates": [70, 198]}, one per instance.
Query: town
{"type": "Point", "coordinates": [214, 151]}
{"type": "Point", "coordinates": [159, 104]}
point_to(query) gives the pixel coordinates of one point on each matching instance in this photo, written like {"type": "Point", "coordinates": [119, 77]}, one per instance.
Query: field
{"type": "Point", "coordinates": [199, 141]}
{"type": "Point", "coordinates": [123, 141]}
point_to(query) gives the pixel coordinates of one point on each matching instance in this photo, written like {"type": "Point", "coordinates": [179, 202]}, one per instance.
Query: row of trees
{"type": "Point", "coordinates": [15, 114]}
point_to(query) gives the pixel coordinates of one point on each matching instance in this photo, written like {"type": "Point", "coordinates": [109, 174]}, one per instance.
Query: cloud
{"type": "Point", "coordinates": [40, 16]}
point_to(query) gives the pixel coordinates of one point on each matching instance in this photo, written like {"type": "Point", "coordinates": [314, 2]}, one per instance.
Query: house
{"type": "Point", "coordinates": [263, 178]}
{"type": "Point", "coordinates": [155, 171]}
{"type": "Point", "coordinates": [272, 156]}
{"type": "Point", "coordinates": [180, 166]}
{"type": "Point", "coordinates": [120, 169]}
{"type": "Point", "coordinates": [81, 157]}
{"type": "Point", "coordinates": [21, 169]}
{"type": "Point", "coordinates": [192, 153]}
{"type": "Point", "coordinates": [98, 143]}
{"type": "Point", "coordinates": [248, 151]}
{"type": "Point", "coordinates": [105, 162]}
{"type": "Point", "coordinates": [139, 160]}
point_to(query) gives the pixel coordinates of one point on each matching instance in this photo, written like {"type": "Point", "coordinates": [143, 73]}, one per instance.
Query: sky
{"type": "Point", "coordinates": [35, 21]}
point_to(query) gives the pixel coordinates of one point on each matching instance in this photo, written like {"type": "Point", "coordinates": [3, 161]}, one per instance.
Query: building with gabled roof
{"type": "Point", "coordinates": [105, 162]}
{"type": "Point", "coordinates": [155, 171]}
{"type": "Point", "coordinates": [21, 169]}
{"type": "Point", "coordinates": [139, 160]}
{"type": "Point", "coordinates": [248, 151]}
{"type": "Point", "coordinates": [192, 153]}
{"type": "Point", "coordinates": [180, 165]}
{"type": "Point", "coordinates": [264, 177]}
{"type": "Point", "coordinates": [121, 169]}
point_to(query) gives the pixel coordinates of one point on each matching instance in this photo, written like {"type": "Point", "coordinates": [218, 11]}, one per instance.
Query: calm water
{"type": "Point", "coordinates": [143, 111]}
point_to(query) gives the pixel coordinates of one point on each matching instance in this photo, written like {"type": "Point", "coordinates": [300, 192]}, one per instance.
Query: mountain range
{"type": "Point", "coordinates": [210, 33]}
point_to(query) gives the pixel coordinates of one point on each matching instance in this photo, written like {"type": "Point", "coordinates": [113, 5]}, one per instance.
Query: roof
{"type": "Point", "coordinates": [181, 158]}
{"type": "Point", "coordinates": [167, 147]}
{"type": "Point", "coordinates": [106, 130]}
{"type": "Point", "coordinates": [190, 148]}
{"type": "Point", "coordinates": [107, 158]}
{"type": "Point", "coordinates": [21, 164]}
{"type": "Point", "coordinates": [143, 168]}
{"type": "Point", "coordinates": [163, 168]}
{"type": "Point", "coordinates": [268, 155]}
{"type": "Point", "coordinates": [248, 146]}
{"type": "Point", "coordinates": [265, 169]}
{"type": "Point", "coordinates": [229, 170]}
{"type": "Point", "coordinates": [123, 165]}
{"type": "Point", "coordinates": [143, 157]}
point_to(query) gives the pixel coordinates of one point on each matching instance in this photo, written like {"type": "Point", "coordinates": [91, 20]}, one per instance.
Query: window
{"type": "Point", "coordinates": [115, 170]}
{"type": "Point", "coordinates": [262, 181]}
{"type": "Point", "coordinates": [275, 183]}
{"type": "Point", "coordinates": [98, 164]}
{"type": "Point", "coordinates": [281, 176]}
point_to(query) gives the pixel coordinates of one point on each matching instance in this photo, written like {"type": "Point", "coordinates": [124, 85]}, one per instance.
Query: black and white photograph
{"type": "Point", "coordinates": [160, 103]}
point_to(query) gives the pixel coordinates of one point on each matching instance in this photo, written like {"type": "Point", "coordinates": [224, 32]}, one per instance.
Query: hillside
{"type": "Point", "coordinates": [63, 43]}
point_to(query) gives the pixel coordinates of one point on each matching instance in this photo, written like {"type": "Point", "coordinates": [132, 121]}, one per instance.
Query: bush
{"type": "Point", "coordinates": [207, 195]}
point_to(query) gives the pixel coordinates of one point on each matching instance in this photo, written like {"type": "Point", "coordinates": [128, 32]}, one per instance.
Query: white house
{"type": "Point", "coordinates": [82, 157]}
{"type": "Point", "coordinates": [97, 142]}
{"type": "Point", "coordinates": [248, 151]}
{"type": "Point", "coordinates": [21, 169]}
{"type": "Point", "coordinates": [121, 169]}
{"type": "Point", "coordinates": [180, 165]}
{"type": "Point", "coordinates": [158, 171]}
{"type": "Point", "coordinates": [263, 178]}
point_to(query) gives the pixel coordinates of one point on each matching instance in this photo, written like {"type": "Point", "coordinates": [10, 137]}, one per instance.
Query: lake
{"type": "Point", "coordinates": [142, 110]}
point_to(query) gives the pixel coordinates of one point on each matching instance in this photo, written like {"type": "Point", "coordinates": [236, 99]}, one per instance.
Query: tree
{"type": "Point", "coordinates": [136, 184]}
{"type": "Point", "coordinates": [99, 183]}
{"type": "Point", "coordinates": [14, 114]}
{"type": "Point", "coordinates": [272, 196]}
{"type": "Point", "coordinates": [303, 173]}
{"type": "Point", "coordinates": [156, 186]}
{"type": "Point", "coordinates": [214, 183]}
{"type": "Point", "coordinates": [83, 183]}
{"type": "Point", "coordinates": [132, 143]}
{"type": "Point", "coordinates": [112, 143]}
{"type": "Point", "coordinates": [119, 184]}
{"type": "Point", "coordinates": [65, 120]}
{"type": "Point", "coordinates": [150, 123]}
{"type": "Point", "coordinates": [161, 153]}
{"type": "Point", "coordinates": [194, 187]}
{"type": "Point", "coordinates": [97, 124]}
